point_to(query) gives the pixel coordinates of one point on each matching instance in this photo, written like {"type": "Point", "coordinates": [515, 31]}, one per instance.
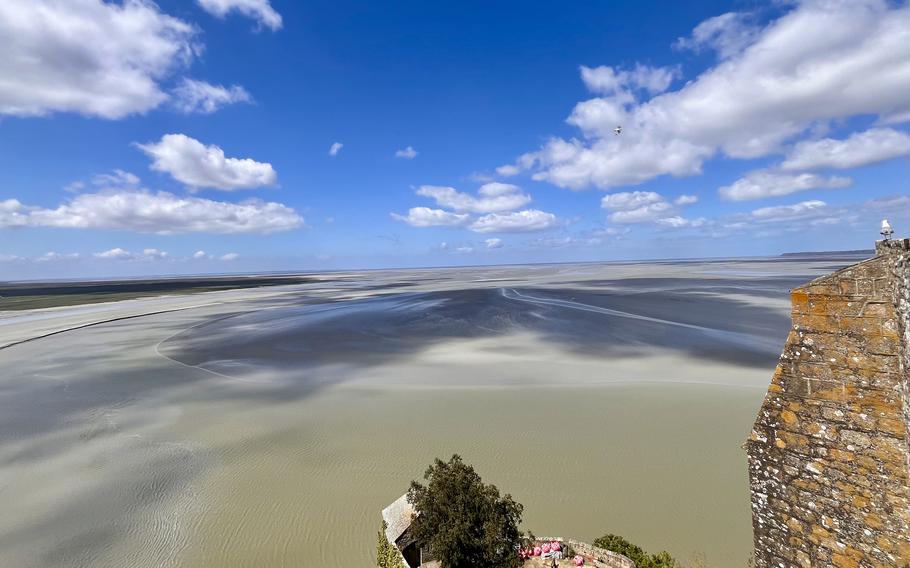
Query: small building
{"type": "Point", "coordinates": [398, 517]}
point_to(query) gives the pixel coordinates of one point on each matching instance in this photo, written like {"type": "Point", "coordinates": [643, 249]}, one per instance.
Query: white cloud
{"type": "Point", "coordinates": [56, 256]}
{"type": "Point", "coordinates": [727, 34]}
{"type": "Point", "coordinates": [630, 200]}
{"type": "Point", "coordinates": [607, 80]}
{"type": "Point", "coordinates": [122, 254]}
{"type": "Point", "coordinates": [860, 149]}
{"type": "Point", "coordinates": [645, 206]}
{"type": "Point", "coordinates": [335, 148]}
{"type": "Point", "coordinates": [686, 200]}
{"type": "Point", "coordinates": [13, 213]}
{"type": "Point", "coordinates": [191, 162]}
{"type": "Point", "coordinates": [493, 243]}
{"type": "Point", "coordinates": [793, 212]}
{"type": "Point", "coordinates": [508, 170]}
{"type": "Point", "coordinates": [493, 197]}
{"type": "Point", "coordinates": [230, 256]}
{"type": "Point", "coordinates": [91, 57]}
{"type": "Point", "coordinates": [259, 10]}
{"type": "Point", "coordinates": [408, 153]}
{"type": "Point", "coordinates": [115, 179]}
{"type": "Point", "coordinates": [152, 253]}
{"type": "Point", "coordinates": [820, 61]}
{"type": "Point", "coordinates": [518, 221]}
{"type": "Point", "coordinates": [116, 253]}
{"type": "Point", "coordinates": [642, 214]}
{"type": "Point", "coordinates": [200, 254]}
{"type": "Point", "coordinates": [9, 258]}
{"type": "Point", "coordinates": [161, 213]}
{"type": "Point", "coordinates": [426, 217]}
{"type": "Point", "coordinates": [199, 96]}
{"type": "Point", "coordinates": [464, 249]}
{"type": "Point", "coordinates": [764, 183]}
{"type": "Point", "coordinates": [74, 187]}
{"type": "Point", "coordinates": [678, 222]}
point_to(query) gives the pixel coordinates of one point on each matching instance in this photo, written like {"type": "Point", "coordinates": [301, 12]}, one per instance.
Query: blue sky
{"type": "Point", "coordinates": [197, 136]}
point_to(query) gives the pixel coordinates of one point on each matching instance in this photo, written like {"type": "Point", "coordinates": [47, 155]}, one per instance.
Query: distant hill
{"type": "Point", "coordinates": [830, 253]}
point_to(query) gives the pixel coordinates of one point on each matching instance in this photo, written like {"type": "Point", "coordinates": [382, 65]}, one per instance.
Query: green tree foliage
{"type": "Point", "coordinates": [465, 522]}
{"type": "Point", "coordinates": [635, 553]}
{"type": "Point", "coordinates": [386, 554]}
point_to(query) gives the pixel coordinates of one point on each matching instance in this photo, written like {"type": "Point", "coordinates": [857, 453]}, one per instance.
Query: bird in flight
{"type": "Point", "coordinates": [618, 130]}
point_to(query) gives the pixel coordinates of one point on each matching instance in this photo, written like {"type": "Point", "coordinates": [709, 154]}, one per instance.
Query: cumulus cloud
{"type": "Point", "coordinates": [493, 243]}
{"type": "Point", "coordinates": [792, 212]}
{"type": "Point", "coordinates": [146, 212]}
{"type": "Point", "coordinates": [608, 80]}
{"type": "Point", "coordinates": [230, 256]}
{"type": "Point", "coordinates": [91, 57]}
{"type": "Point", "coordinates": [727, 34]}
{"type": "Point", "coordinates": [686, 200]}
{"type": "Point", "coordinates": [117, 178]}
{"type": "Point", "coordinates": [335, 148]}
{"type": "Point", "coordinates": [123, 254]}
{"type": "Point", "coordinates": [860, 149]}
{"type": "Point", "coordinates": [642, 214]}
{"type": "Point", "coordinates": [426, 217]}
{"type": "Point", "coordinates": [200, 254]}
{"type": "Point", "coordinates": [748, 105]}
{"type": "Point", "coordinates": [515, 222]}
{"type": "Point", "coordinates": [678, 222]}
{"type": "Point", "coordinates": [764, 183]}
{"type": "Point", "coordinates": [259, 10]}
{"type": "Point", "coordinates": [13, 213]}
{"type": "Point", "coordinates": [191, 162]}
{"type": "Point", "coordinates": [497, 200]}
{"type": "Point", "coordinates": [492, 197]}
{"type": "Point", "coordinates": [647, 206]}
{"type": "Point", "coordinates": [630, 199]}
{"type": "Point", "coordinates": [408, 153]}
{"type": "Point", "coordinates": [192, 96]}
{"type": "Point", "coordinates": [115, 253]}
{"type": "Point", "coordinates": [56, 256]}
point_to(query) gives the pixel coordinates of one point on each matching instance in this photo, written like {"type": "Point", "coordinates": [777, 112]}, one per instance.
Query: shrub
{"type": "Point", "coordinates": [635, 553]}
{"type": "Point", "coordinates": [386, 554]}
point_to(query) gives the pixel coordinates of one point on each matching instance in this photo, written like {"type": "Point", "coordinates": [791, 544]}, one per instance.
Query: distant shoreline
{"type": "Point", "coordinates": [31, 295]}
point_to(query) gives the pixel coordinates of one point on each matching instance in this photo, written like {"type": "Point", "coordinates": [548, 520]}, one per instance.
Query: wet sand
{"type": "Point", "coordinates": [255, 429]}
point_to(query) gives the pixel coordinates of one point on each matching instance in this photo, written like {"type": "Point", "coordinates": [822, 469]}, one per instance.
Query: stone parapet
{"type": "Point", "coordinates": [594, 556]}
{"type": "Point", "coordinates": [828, 453]}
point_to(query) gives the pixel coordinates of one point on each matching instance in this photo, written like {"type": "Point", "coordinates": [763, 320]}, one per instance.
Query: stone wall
{"type": "Point", "coordinates": [828, 454]}
{"type": "Point", "coordinates": [594, 556]}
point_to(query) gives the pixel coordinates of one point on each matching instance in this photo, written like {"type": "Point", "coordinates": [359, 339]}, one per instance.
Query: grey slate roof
{"type": "Point", "coordinates": [397, 517]}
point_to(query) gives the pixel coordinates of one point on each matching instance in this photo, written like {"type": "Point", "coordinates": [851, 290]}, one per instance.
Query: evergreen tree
{"type": "Point", "coordinates": [465, 522]}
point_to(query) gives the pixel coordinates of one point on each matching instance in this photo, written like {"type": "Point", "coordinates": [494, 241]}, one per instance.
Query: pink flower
{"type": "Point", "coordinates": [537, 551]}
{"type": "Point", "coordinates": [555, 546]}
{"type": "Point", "coordinates": [578, 560]}
{"type": "Point", "coordinates": [545, 547]}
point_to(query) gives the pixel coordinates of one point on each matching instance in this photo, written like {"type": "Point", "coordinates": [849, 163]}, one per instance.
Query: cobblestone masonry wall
{"type": "Point", "coordinates": [828, 454]}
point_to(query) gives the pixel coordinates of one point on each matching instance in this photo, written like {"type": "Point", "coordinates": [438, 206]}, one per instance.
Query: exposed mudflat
{"type": "Point", "coordinates": [268, 427]}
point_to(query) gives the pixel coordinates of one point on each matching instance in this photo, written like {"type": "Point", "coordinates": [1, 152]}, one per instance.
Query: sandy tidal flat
{"type": "Point", "coordinates": [262, 428]}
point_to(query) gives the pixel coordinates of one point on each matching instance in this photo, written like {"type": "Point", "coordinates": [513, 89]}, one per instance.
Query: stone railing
{"type": "Point", "coordinates": [594, 556]}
